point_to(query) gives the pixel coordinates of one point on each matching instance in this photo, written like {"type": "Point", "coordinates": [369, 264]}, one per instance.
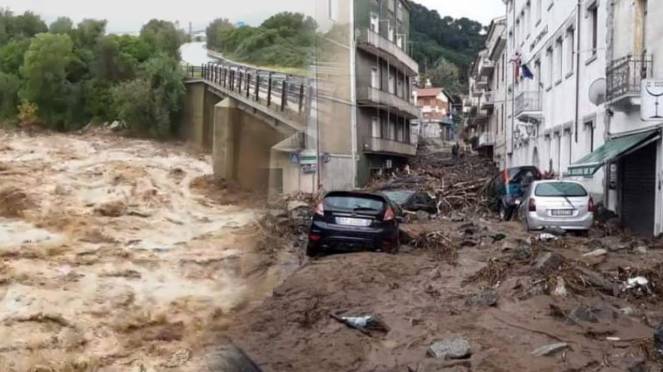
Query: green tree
{"type": "Point", "coordinates": [28, 25]}
{"type": "Point", "coordinates": [9, 85]}
{"type": "Point", "coordinates": [445, 74]}
{"type": "Point", "coordinates": [151, 103]}
{"type": "Point", "coordinates": [88, 32]}
{"type": "Point", "coordinates": [62, 25]}
{"type": "Point", "coordinates": [163, 36]}
{"type": "Point", "coordinates": [11, 55]}
{"type": "Point", "coordinates": [45, 73]}
{"type": "Point", "coordinates": [215, 32]}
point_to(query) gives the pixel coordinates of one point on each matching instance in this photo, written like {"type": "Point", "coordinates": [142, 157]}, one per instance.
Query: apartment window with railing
{"type": "Point", "coordinates": [569, 44]}
{"type": "Point", "coordinates": [559, 59]}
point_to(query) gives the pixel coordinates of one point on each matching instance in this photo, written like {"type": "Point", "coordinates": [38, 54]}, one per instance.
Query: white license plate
{"type": "Point", "coordinates": [353, 221]}
{"type": "Point", "coordinates": [561, 212]}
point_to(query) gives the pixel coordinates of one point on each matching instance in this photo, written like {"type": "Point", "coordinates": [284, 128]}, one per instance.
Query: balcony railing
{"type": "Point", "coordinates": [528, 104]}
{"type": "Point", "coordinates": [625, 75]}
{"type": "Point", "coordinates": [375, 43]}
{"type": "Point", "coordinates": [486, 67]}
{"type": "Point", "coordinates": [375, 97]}
{"type": "Point", "coordinates": [488, 100]}
{"type": "Point", "coordinates": [382, 145]}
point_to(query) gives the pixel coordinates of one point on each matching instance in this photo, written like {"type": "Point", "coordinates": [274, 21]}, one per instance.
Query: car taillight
{"type": "Point", "coordinates": [590, 206]}
{"type": "Point", "coordinates": [532, 205]}
{"type": "Point", "coordinates": [389, 214]}
{"type": "Point", "coordinates": [320, 209]}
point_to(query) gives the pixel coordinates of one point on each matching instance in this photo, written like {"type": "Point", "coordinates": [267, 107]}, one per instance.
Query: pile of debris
{"type": "Point", "coordinates": [287, 220]}
{"type": "Point", "coordinates": [458, 184]}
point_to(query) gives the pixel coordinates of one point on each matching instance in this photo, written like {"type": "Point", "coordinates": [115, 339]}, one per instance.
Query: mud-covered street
{"type": "Point", "coordinates": [117, 254]}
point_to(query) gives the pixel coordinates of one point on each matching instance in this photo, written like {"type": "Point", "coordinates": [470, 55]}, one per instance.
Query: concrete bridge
{"type": "Point", "coordinates": [252, 121]}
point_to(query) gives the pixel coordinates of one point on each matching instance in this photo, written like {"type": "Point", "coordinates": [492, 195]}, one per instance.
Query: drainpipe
{"type": "Point", "coordinates": [353, 93]}
{"type": "Point", "coordinates": [578, 33]}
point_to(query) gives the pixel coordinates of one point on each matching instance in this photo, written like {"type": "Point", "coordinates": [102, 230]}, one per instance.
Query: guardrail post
{"type": "Point", "coordinates": [301, 97]}
{"type": "Point", "coordinates": [257, 86]}
{"type": "Point", "coordinates": [269, 91]}
{"type": "Point", "coordinates": [248, 85]}
{"type": "Point", "coordinates": [284, 94]}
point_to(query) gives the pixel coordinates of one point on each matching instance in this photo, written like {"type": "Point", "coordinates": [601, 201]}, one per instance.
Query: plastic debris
{"type": "Point", "coordinates": [550, 349]}
{"type": "Point", "coordinates": [365, 324]}
{"type": "Point", "coordinates": [546, 237]}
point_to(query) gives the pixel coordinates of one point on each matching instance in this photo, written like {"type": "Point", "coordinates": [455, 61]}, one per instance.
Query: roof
{"type": "Point", "coordinates": [428, 92]}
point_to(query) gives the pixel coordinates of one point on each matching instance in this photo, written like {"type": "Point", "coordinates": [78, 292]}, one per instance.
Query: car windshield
{"type": "Point", "coordinates": [353, 203]}
{"type": "Point", "coordinates": [399, 197]}
{"type": "Point", "coordinates": [561, 189]}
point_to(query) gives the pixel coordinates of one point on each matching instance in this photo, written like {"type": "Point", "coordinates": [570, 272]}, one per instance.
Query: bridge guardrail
{"type": "Point", "coordinates": [275, 90]}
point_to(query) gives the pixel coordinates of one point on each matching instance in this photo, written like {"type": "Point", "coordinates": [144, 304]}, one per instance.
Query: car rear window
{"type": "Point", "coordinates": [562, 189]}
{"type": "Point", "coordinates": [353, 203]}
{"type": "Point", "coordinates": [399, 197]}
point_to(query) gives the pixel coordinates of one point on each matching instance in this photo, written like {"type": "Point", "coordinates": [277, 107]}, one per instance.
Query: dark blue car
{"type": "Point", "coordinates": [506, 190]}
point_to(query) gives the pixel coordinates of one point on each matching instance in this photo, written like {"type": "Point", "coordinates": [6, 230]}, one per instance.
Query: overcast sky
{"type": "Point", "coordinates": [130, 15]}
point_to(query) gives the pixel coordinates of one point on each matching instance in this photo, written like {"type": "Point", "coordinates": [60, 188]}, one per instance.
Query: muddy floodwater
{"type": "Point", "coordinates": [110, 259]}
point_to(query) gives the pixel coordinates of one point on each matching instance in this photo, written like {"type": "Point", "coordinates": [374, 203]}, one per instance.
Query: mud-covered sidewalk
{"type": "Point", "coordinates": [118, 254]}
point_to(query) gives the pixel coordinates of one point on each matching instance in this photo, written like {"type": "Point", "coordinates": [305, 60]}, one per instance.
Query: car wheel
{"type": "Point", "coordinates": [505, 213]}
{"type": "Point", "coordinates": [312, 251]}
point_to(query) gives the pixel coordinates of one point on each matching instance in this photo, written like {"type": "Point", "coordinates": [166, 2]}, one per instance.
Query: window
{"type": "Point", "coordinates": [499, 117]}
{"type": "Point", "coordinates": [399, 41]}
{"type": "Point", "coordinates": [375, 78]}
{"type": "Point", "coordinates": [376, 131]}
{"type": "Point", "coordinates": [390, 4]}
{"type": "Point", "coordinates": [333, 10]}
{"type": "Point", "coordinates": [559, 59]}
{"type": "Point", "coordinates": [375, 22]}
{"type": "Point", "coordinates": [589, 135]}
{"type": "Point", "coordinates": [537, 75]}
{"type": "Point", "coordinates": [549, 67]}
{"type": "Point", "coordinates": [539, 10]}
{"type": "Point", "coordinates": [503, 67]}
{"type": "Point", "coordinates": [560, 189]}
{"type": "Point", "coordinates": [594, 26]}
{"type": "Point", "coordinates": [392, 130]}
{"type": "Point", "coordinates": [391, 32]}
{"type": "Point", "coordinates": [569, 44]}
{"type": "Point", "coordinates": [399, 90]}
{"type": "Point", "coordinates": [392, 86]}
{"type": "Point", "coordinates": [528, 18]}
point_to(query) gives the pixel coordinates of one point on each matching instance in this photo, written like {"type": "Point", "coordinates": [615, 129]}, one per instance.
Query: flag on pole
{"type": "Point", "coordinates": [527, 73]}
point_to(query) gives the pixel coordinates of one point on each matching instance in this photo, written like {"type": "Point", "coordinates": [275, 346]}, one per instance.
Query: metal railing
{"type": "Point", "coordinates": [374, 96]}
{"type": "Point", "coordinates": [278, 91]}
{"type": "Point", "coordinates": [528, 102]}
{"type": "Point", "coordinates": [624, 76]}
{"type": "Point", "coordinates": [375, 40]}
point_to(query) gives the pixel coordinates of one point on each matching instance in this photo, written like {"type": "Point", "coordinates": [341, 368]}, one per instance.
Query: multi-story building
{"type": "Point", "coordinates": [385, 74]}
{"type": "Point", "coordinates": [632, 156]}
{"type": "Point", "coordinates": [436, 107]}
{"type": "Point", "coordinates": [364, 95]}
{"type": "Point", "coordinates": [554, 56]}
{"type": "Point", "coordinates": [487, 94]}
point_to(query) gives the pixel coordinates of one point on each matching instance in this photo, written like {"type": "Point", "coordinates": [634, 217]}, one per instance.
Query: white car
{"type": "Point", "coordinates": [557, 204]}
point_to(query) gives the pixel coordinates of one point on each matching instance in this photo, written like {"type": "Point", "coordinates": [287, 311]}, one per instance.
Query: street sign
{"type": "Point", "coordinates": [651, 108]}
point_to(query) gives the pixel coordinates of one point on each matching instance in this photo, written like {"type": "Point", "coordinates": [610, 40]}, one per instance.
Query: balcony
{"type": "Point", "coordinates": [386, 146]}
{"type": "Point", "coordinates": [488, 101]}
{"type": "Point", "coordinates": [623, 80]}
{"type": "Point", "coordinates": [486, 67]}
{"type": "Point", "coordinates": [529, 107]}
{"type": "Point", "coordinates": [373, 97]}
{"type": "Point", "coordinates": [481, 83]}
{"type": "Point", "coordinates": [374, 43]}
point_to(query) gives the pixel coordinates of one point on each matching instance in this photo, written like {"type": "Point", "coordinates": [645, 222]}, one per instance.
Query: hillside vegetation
{"type": "Point", "coordinates": [444, 46]}
{"type": "Point", "coordinates": [285, 40]}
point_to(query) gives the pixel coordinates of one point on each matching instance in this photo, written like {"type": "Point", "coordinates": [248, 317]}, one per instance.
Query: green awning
{"type": "Point", "coordinates": [612, 149]}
